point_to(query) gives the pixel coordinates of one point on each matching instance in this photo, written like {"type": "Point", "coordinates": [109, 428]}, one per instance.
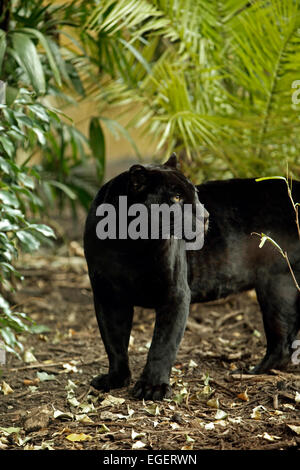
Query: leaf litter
{"type": "Point", "coordinates": [209, 408]}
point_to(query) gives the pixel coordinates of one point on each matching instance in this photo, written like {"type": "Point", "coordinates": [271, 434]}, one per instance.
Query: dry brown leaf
{"type": "Point", "coordinates": [28, 382]}
{"type": "Point", "coordinates": [294, 428]}
{"type": "Point", "coordinates": [243, 396]}
{"type": "Point", "coordinates": [213, 403]}
{"type": "Point", "coordinates": [83, 418]}
{"type": "Point", "coordinates": [257, 412]}
{"type": "Point", "coordinates": [138, 445]}
{"type": "Point", "coordinates": [269, 437]}
{"type": "Point", "coordinates": [110, 400]}
{"type": "Point", "coordinates": [74, 437]}
{"type": "Point", "coordinates": [135, 435]}
{"type": "Point", "coordinates": [187, 447]}
{"type": "Point", "coordinates": [220, 415]}
{"type": "Point", "coordinates": [29, 357]}
{"type": "Point", "coordinates": [6, 388]}
{"type": "Point", "coordinates": [63, 431]}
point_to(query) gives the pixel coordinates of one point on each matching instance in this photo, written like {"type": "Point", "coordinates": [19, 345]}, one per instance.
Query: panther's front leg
{"type": "Point", "coordinates": [168, 331]}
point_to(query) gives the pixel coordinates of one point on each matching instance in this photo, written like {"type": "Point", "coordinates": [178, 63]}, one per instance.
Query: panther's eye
{"type": "Point", "coordinates": [177, 198]}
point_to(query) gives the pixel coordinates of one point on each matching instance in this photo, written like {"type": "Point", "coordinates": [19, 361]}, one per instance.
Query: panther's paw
{"type": "Point", "coordinates": [106, 382]}
{"type": "Point", "coordinates": [146, 391]}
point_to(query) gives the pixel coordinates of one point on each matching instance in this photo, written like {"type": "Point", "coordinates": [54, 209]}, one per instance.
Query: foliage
{"type": "Point", "coordinates": [22, 122]}
{"type": "Point", "coordinates": [34, 67]}
{"type": "Point", "coordinates": [213, 80]}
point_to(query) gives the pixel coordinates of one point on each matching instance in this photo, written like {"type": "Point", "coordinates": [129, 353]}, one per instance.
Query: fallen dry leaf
{"type": "Point", "coordinates": [3, 446]}
{"type": "Point", "coordinates": [63, 431]}
{"type": "Point", "coordinates": [62, 414]}
{"type": "Point", "coordinates": [78, 437]}
{"type": "Point", "coordinates": [103, 429]}
{"type": "Point", "coordinates": [153, 410]}
{"type": "Point", "coordinates": [110, 400]}
{"type": "Point", "coordinates": [288, 406]}
{"type": "Point", "coordinates": [209, 426]}
{"type": "Point", "coordinates": [135, 435]}
{"type": "Point", "coordinates": [10, 430]}
{"type": "Point", "coordinates": [220, 414]}
{"type": "Point", "coordinates": [28, 382]}
{"type": "Point", "coordinates": [29, 357]}
{"type": "Point", "coordinates": [69, 367]}
{"type": "Point", "coordinates": [138, 445]}
{"type": "Point", "coordinates": [257, 412]}
{"type": "Point", "coordinates": [6, 388]}
{"type": "Point", "coordinates": [108, 415]}
{"type": "Point", "coordinates": [269, 437]}
{"type": "Point", "coordinates": [187, 447]}
{"type": "Point", "coordinates": [43, 376]}
{"type": "Point", "coordinates": [243, 396]}
{"type": "Point", "coordinates": [174, 425]}
{"type": "Point", "coordinates": [83, 418]}
{"type": "Point", "coordinates": [213, 403]}
{"type": "Point", "coordinates": [192, 364]}
{"type": "Point", "coordinates": [294, 428]}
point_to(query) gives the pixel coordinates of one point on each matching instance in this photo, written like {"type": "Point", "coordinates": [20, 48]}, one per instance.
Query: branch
{"type": "Point", "coordinates": [284, 254]}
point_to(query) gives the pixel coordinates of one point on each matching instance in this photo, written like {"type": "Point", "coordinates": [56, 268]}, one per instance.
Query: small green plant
{"type": "Point", "coordinates": [265, 238]}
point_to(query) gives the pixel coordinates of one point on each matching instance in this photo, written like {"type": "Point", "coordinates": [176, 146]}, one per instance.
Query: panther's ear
{"type": "Point", "coordinates": [172, 162]}
{"type": "Point", "coordinates": [138, 177]}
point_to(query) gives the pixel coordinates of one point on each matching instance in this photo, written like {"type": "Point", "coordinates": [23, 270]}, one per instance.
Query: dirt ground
{"type": "Point", "coordinates": [46, 401]}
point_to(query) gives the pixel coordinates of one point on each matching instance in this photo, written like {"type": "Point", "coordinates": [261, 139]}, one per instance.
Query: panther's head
{"type": "Point", "coordinates": [156, 185]}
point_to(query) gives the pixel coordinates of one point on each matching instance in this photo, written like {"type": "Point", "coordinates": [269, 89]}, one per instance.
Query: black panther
{"type": "Point", "coordinates": [163, 275]}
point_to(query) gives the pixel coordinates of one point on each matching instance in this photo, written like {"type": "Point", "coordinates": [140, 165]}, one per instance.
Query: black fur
{"type": "Point", "coordinates": [161, 274]}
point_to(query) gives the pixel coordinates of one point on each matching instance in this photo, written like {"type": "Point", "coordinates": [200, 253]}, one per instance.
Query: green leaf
{"type": "Point", "coordinates": [5, 166]}
{"type": "Point", "coordinates": [26, 180]}
{"type": "Point", "coordinates": [40, 111]}
{"type": "Point", "coordinates": [265, 178]}
{"type": "Point", "coordinates": [114, 126]}
{"type": "Point", "coordinates": [40, 135]}
{"type": "Point", "coordinates": [97, 144]}
{"type": "Point", "coordinates": [7, 267]}
{"type": "Point", "coordinates": [7, 145]}
{"type": "Point", "coordinates": [4, 305]}
{"type": "Point", "coordinates": [9, 337]}
{"type": "Point", "coordinates": [9, 198]}
{"type": "Point", "coordinates": [38, 329]}
{"type": "Point", "coordinates": [2, 92]}
{"type": "Point", "coordinates": [44, 41]}
{"type": "Point", "coordinates": [137, 54]}
{"type": "Point", "coordinates": [2, 47]}
{"type": "Point", "coordinates": [15, 214]}
{"type": "Point", "coordinates": [29, 242]}
{"type": "Point", "coordinates": [64, 188]}
{"type": "Point", "coordinates": [11, 95]}
{"type": "Point", "coordinates": [44, 229]}
{"type": "Point", "coordinates": [28, 59]}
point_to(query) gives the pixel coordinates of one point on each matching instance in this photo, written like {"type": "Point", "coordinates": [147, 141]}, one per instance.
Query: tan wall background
{"type": "Point", "coordinates": [119, 153]}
